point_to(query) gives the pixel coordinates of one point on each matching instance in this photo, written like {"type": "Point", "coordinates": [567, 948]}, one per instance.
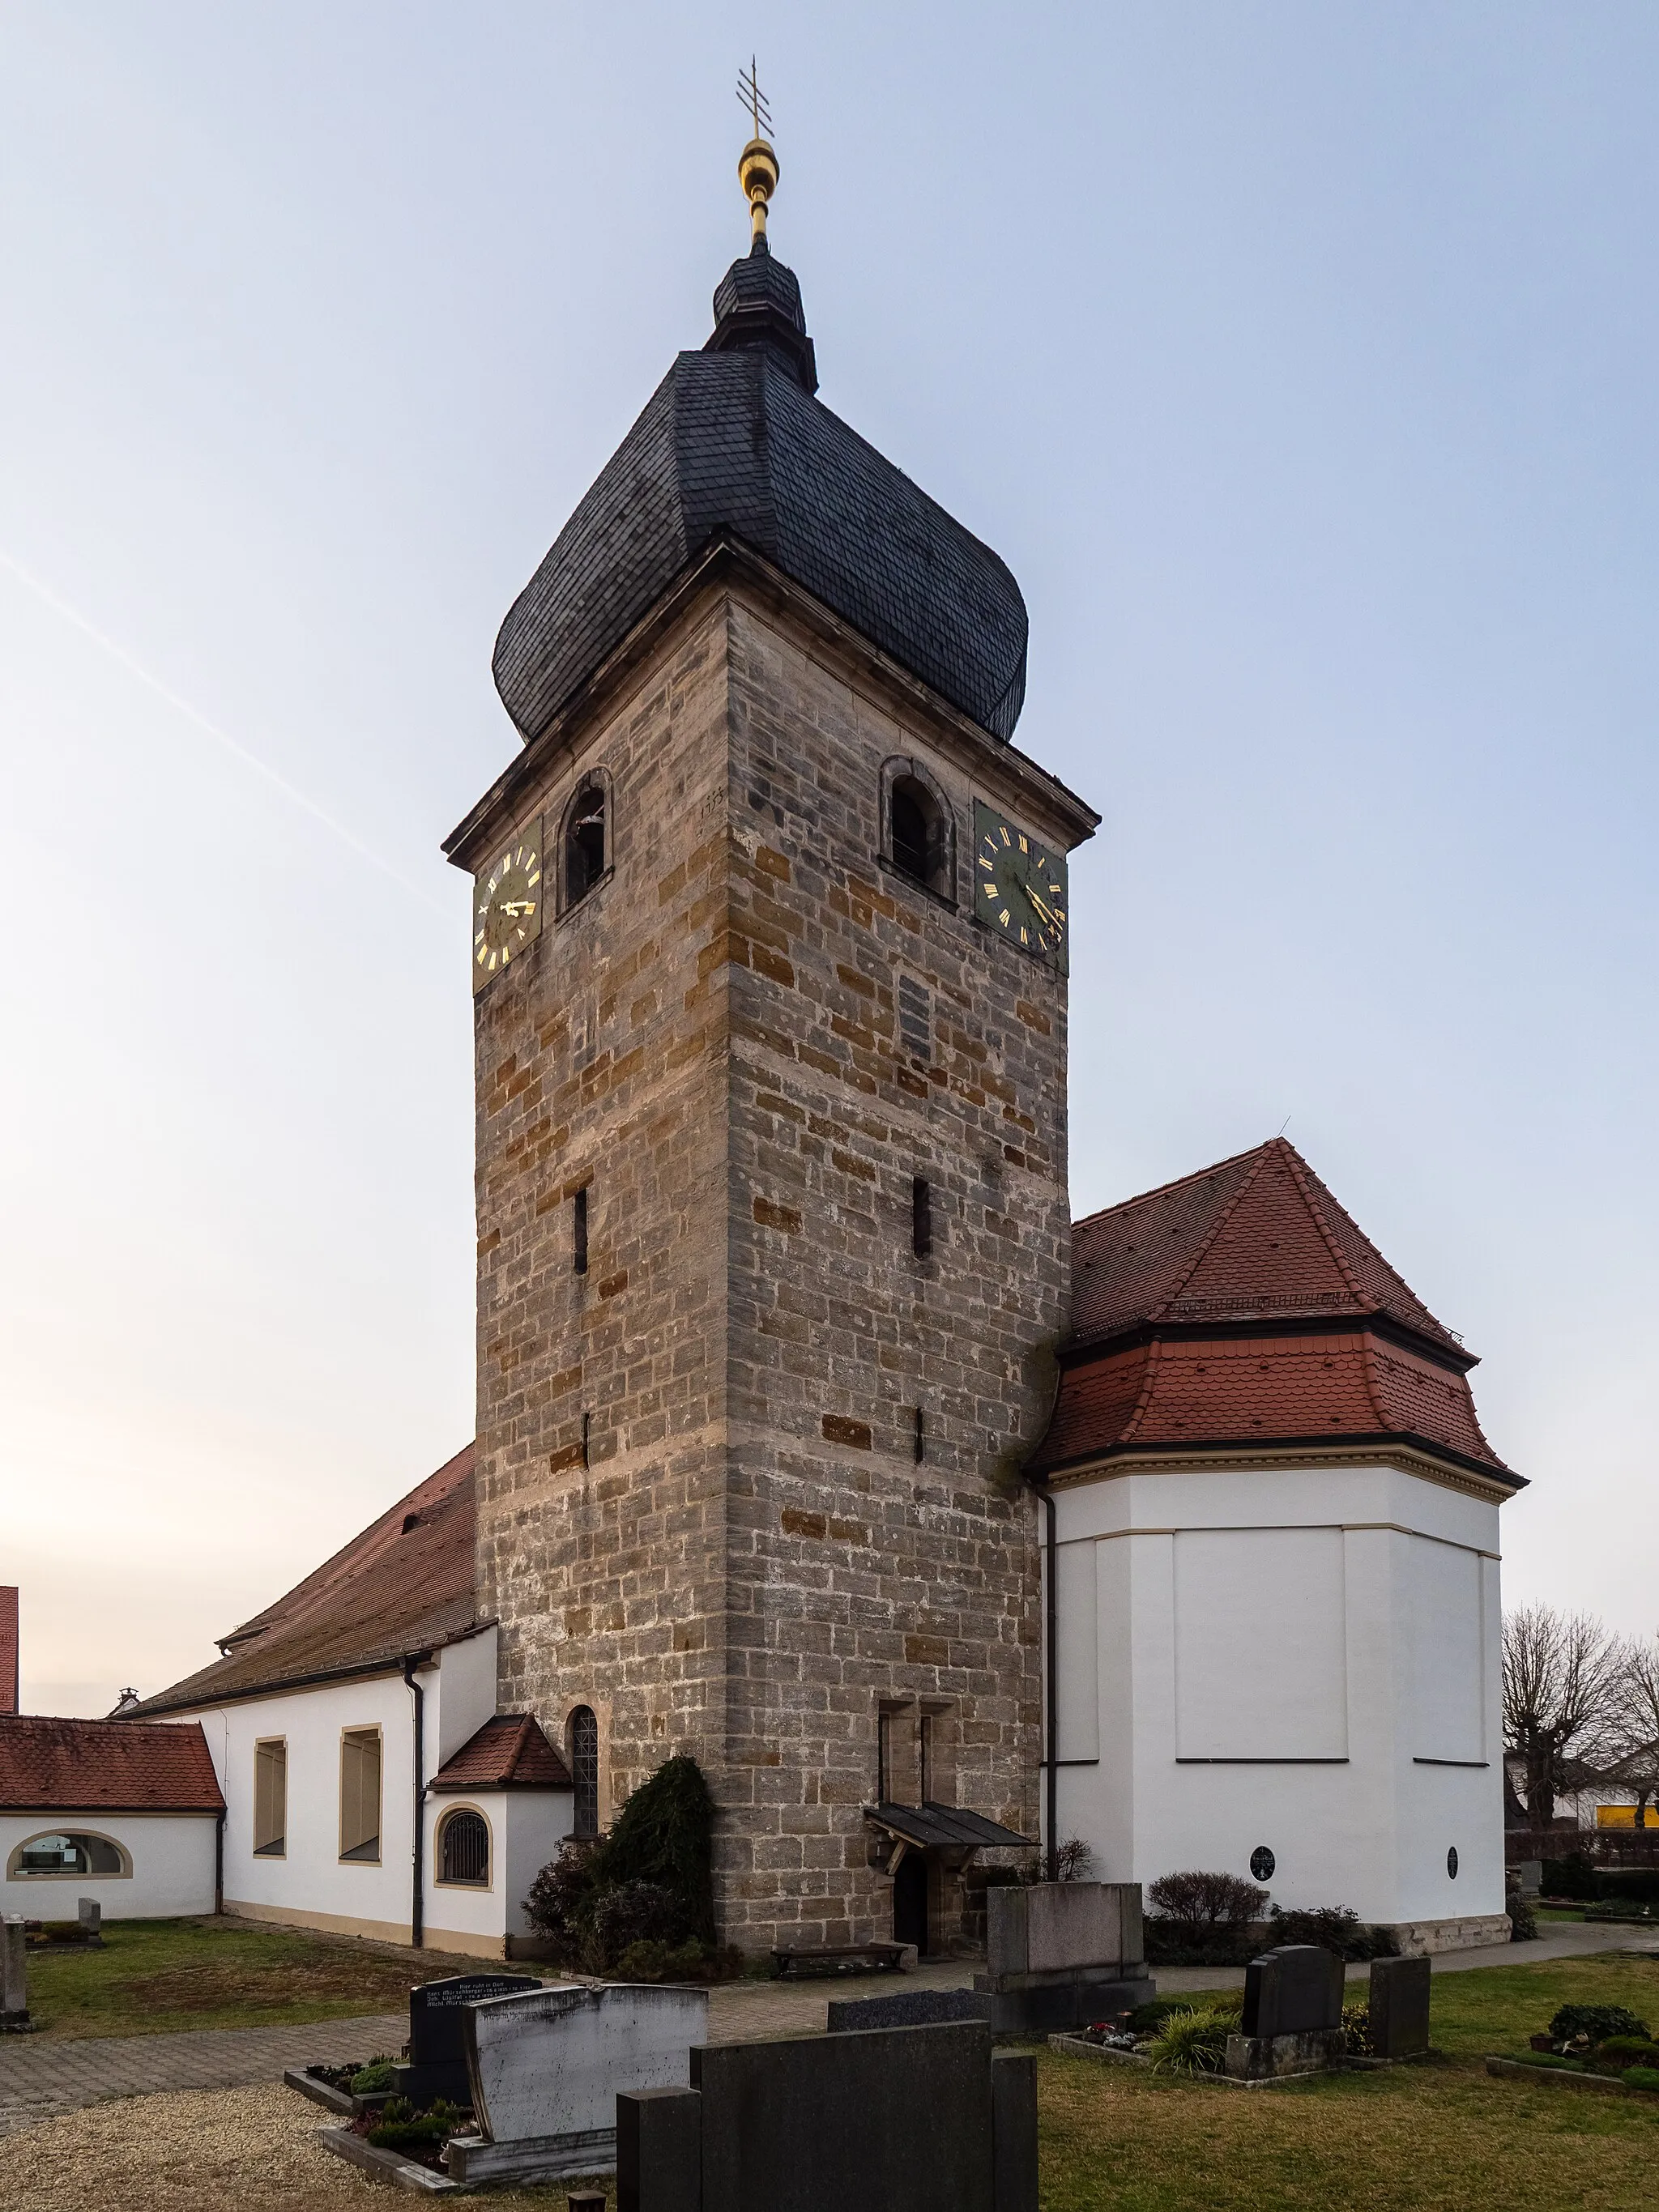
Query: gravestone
{"type": "Point", "coordinates": [14, 1976]}
{"type": "Point", "coordinates": [1060, 1954]}
{"type": "Point", "coordinates": [92, 1917]}
{"type": "Point", "coordinates": [907, 2008]}
{"type": "Point", "coordinates": [919, 2119]}
{"type": "Point", "coordinates": [1531, 1877]}
{"type": "Point", "coordinates": [1292, 2018]}
{"type": "Point", "coordinates": [1292, 1991]}
{"type": "Point", "coordinates": [437, 2056]}
{"type": "Point", "coordinates": [1400, 2007]}
{"type": "Point", "coordinates": [546, 2066]}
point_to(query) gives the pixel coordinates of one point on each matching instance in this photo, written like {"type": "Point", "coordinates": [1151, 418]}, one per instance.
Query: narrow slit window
{"type": "Point", "coordinates": [883, 1759]}
{"type": "Point", "coordinates": [927, 1748]}
{"type": "Point", "coordinates": [270, 1798]}
{"type": "Point", "coordinates": [921, 1216]}
{"type": "Point", "coordinates": [584, 1768]}
{"type": "Point", "coordinates": [360, 1796]}
{"type": "Point", "coordinates": [579, 1232]}
{"type": "Point", "coordinates": [919, 1443]}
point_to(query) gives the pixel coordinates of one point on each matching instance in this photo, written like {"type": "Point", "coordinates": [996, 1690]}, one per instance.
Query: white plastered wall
{"type": "Point", "coordinates": [310, 1885]}
{"type": "Point", "coordinates": [527, 1828]}
{"type": "Point", "coordinates": [170, 1855]}
{"type": "Point", "coordinates": [1305, 1658]}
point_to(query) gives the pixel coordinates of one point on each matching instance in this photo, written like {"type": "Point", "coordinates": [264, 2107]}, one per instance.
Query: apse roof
{"type": "Point", "coordinates": [1255, 1237]}
{"type": "Point", "coordinates": [733, 444]}
{"type": "Point", "coordinates": [1243, 1307]}
{"type": "Point", "coordinates": [405, 1585]}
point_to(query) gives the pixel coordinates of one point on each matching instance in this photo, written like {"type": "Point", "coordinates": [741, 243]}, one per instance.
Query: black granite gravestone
{"type": "Point", "coordinates": [1400, 2007]}
{"type": "Point", "coordinates": [923, 2118]}
{"type": "Point", "coordinates": [907, 2008]}
{"type": "Point", "coordinates": [1294, 1991]}
{"type": "Point", "coordinates": [437, 2056]}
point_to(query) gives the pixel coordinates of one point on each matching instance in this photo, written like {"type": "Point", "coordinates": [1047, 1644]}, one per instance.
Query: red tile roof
{"type": "Point", "coordinates": [1242, 1306]}
{"type": "Point", "coordinates": [104, 1767]}
{"type": "Point", "coordinates": [508, 1753]}
{"type": "Point", "coordinates": [406, 1584]}
{"type": "Point", "coordinates": [1255, 1237]}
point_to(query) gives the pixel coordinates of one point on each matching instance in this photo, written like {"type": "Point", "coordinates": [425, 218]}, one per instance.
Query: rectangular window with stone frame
{"type": "Point", "coordinates": [271, 1798]}
{"type": "Point", "coordinates": [360, 1795]}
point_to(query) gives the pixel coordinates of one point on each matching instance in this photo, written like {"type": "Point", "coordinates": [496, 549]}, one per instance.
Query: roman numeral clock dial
{"type": "Point", "coordinates": [1019, 887]}
{"type": "Point", "coordinates": [507, 906]}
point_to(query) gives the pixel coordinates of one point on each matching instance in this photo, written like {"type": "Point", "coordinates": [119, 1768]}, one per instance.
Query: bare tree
{"type": "Point", "coordinates": [1635, 1761]}
{"type": "Point", "coordinates": [1562, 1682]}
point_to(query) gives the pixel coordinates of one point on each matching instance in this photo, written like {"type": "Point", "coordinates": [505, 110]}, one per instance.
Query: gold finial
{"type": "Point", "coordinates": [757, 164]}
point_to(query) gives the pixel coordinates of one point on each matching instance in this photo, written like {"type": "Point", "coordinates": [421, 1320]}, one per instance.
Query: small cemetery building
{"type": "Point", "coordinates": [111, 1810]}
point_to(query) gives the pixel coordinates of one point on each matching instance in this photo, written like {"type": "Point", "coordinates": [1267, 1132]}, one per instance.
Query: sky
{"type": "Point", "coordinates": [1298, 356]}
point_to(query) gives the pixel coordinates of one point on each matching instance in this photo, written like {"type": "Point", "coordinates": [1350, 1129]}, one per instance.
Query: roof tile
{"type": "Point", "coordinates": [405, 1584]}
{"type": "Point", "coordinates": [49, 1765]}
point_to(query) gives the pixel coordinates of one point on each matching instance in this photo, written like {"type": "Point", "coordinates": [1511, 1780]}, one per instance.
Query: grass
{"type": "Point", "coordinates": [154, 1977]}
{"type": "Point", "coordinates": [1431, 2138]}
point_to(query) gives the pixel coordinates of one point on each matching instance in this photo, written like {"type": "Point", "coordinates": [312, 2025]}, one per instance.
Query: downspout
{"type": "Point", "coordinates": [418, 1901]}
{"type": "Point", "coordinates": [1045, 1497]}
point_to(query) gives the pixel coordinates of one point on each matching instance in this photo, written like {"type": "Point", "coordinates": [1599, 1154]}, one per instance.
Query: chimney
{"type": "Point", "coordinates": [8, 1650]}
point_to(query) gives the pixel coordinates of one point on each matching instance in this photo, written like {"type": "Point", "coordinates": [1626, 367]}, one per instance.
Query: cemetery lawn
{"type": "Point", "coordinates": [1438, 2138]}
{"type": "Point", "coordinates": [154, 1977]}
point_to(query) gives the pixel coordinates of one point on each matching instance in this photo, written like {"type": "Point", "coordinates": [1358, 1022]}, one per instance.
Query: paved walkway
{"type": "Point", "coordinates": [1565, 1939]}
{"type": "Point", "coordinates": [41, 2075]}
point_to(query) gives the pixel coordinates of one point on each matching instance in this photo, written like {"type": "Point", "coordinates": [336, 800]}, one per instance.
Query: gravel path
{"type": "Point", "coordinates": [201, 2150]}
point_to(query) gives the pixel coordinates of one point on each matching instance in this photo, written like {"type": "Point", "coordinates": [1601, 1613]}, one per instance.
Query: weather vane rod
{"type": "Point", "coordinates": [757, 164]}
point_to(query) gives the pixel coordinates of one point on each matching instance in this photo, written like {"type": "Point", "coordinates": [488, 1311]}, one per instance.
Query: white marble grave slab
{"type": "Point", "coordinates": [552, 2061]}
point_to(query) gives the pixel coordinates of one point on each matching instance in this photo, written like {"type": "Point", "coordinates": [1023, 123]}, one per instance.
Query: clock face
{"type": "Point", "coordinates": [1019, 886]}
{"type": "Point", "coordinates": [507, 906]}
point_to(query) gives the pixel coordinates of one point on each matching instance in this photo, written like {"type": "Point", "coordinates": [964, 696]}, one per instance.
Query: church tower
{"type": "Point", "coordinates": [769, 963]}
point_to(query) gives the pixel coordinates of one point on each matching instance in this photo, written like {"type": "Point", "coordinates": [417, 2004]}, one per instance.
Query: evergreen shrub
{"type": "Point", "coordinates": [1596, 2023]}
{"type": "Point", "coordinates": [1333, 1927]}
{"type": "Point", "coordinates": [649, 1883]}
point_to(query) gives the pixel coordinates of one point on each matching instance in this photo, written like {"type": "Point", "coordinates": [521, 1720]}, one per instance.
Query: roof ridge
{"type": "Point", "coordinates": [1301, 1172]}
{"type": "Point", "coordinates": [1162, 1190]}
{"type": "Point", "coordinates": [1247, 1184]}
{"type": "Point", "coordinates": [1154, 1360]}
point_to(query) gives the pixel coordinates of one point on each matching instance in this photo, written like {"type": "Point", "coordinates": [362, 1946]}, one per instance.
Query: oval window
{"type": "Point", "coordinates": [1262, 1863]}
{"type": "Point", "coordinates": [1451, 1863]}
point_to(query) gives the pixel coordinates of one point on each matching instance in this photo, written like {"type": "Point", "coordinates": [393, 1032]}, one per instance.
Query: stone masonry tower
{"type": "Point", "coordinates": [769, 968]}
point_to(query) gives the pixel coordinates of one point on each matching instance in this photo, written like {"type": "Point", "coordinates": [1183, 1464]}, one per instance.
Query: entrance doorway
{"type": "Point", "coordinates": [910, 1902]}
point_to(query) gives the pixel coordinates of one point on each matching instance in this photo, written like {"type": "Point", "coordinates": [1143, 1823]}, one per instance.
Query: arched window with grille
{"type": "Point", "coordinates": [584, 1768]}
{"type": "Point", "coordinates": [464, 1849]}
{"type": "Point", "coordinates": [586, 841]}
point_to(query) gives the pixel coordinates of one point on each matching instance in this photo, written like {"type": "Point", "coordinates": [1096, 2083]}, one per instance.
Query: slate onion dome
{"type": "Point", "coordinates": [734, 446]}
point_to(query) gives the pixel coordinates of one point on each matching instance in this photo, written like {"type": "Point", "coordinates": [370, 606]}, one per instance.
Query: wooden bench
{"type": "Point", "coordinates": [845, 1958]}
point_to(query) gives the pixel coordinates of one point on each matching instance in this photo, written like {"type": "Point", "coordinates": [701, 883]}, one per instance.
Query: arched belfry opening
{"type": "Point", "coordinates": [586, 842]}
{"type": "Point", "coordinates": [918, 831]}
